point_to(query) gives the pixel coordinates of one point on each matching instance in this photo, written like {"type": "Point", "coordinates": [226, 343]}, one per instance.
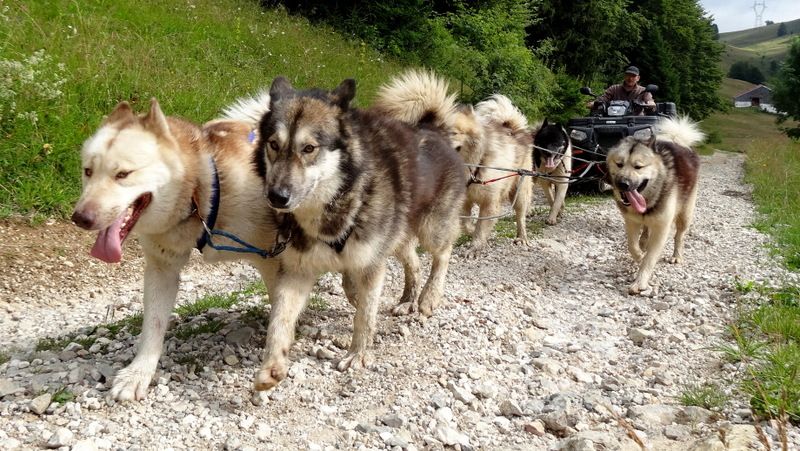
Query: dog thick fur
{"type": "Point", "coordinates": [655, 186]}
{"type": "Point", "coordinates": [145, 174]}
{"type": "Point", "coordinates": [552, 157]}
{"type": "Point", "coordinates": [352, 188]}
{"type": "Point", "coordinates": [494, 133]}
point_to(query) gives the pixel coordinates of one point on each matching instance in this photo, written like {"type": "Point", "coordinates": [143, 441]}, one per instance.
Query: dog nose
{"type": "Point", "coordinates": [278, 197]}
{"type": "Point", "coordinates": [83, 219]}
{"type": "Point", "coordinates": [623, 185]}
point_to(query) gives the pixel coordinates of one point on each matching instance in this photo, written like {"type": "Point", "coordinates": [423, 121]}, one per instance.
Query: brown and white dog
{"type": "Point", "coordinates": [494, 133]}
{"type": "Point", "coordinates": [352, 188]}
{"type": "Point", "coordinates": [156, 176]}
{"type": "Point", "coordinates": [655, 186]}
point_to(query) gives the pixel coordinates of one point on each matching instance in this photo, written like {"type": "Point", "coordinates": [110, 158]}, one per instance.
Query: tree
{"type": "Point", "coordinates": [677, 51]}
{"type": "Point", "coordinates": [744, 70]}
{"type": "Point", "coordinates": [588, 40]}
{"type": "Point", "coordinates": [781, 29]}
{"type": "Point", "coordinates": [786, 93]}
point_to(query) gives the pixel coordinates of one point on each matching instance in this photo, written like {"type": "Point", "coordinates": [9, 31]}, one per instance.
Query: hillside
{"type": "Point", "coordinates": [751, 36]}
{"type": "Point", "coordinates": [758, 46]}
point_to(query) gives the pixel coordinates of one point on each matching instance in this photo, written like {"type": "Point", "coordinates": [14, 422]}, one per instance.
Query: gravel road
{"type": "Point", "coordinates": [537, 348]}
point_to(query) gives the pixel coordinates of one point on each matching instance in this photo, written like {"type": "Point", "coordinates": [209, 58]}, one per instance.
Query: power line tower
{"type": "Point", "coordinates": [759, 7]}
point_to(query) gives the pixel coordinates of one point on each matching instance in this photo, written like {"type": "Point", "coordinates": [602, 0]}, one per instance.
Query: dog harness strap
{"type": "Point", "coordinates": [211, 219]}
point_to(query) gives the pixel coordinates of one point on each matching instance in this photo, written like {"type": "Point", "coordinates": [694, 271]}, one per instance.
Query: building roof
{"type": "Point", "coordinates": [749, 91]}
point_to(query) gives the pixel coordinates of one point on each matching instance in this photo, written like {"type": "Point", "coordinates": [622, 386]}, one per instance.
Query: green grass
{"type": "Point", "coordinates": [739, 129]}
{"type": "Point", "coordinates": [708, 396]}
{"type": "Point", "coordinates": [318, 303]}
{"type": "Point", "coordinates": [766, 336]}
{"type": "Point", "coordinates": [758, 46]}
{"type": "Point", "coordinates": [188, 331]}
{"type": "Point", "coordinates": [773, 167]}
{"type": "Point", "coordinates": [63, 396]}
{"type": "Point", "coordinates": [195, 57]}
{"type": "Point", "coordinates": [58, 344]}
{"type": "Point", "coordinates": [752, 36]}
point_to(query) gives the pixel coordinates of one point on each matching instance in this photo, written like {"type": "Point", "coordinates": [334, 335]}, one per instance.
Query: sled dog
{"type": "Point", "coordinates": [552, 157]}
{"type": "Point", "coordinates": [493, 133]}
{"type": "Point", "coordinates": [655, 186]}
{"type": "Point", "coordinates": [351, 188]}
{"type": "Point", "coordinates": [157, 176]}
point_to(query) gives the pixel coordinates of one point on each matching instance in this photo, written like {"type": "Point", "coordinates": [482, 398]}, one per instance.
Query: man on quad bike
{"type": "Point", "coordinates": [640, 99]}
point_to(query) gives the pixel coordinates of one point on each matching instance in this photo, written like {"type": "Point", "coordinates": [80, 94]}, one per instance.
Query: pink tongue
{"type": "Point", "coordinates": [108, 246]}
{"type": "Point", "coordinates": [637, 201]}
{"type": "Point", "coordinates": [551, 163]}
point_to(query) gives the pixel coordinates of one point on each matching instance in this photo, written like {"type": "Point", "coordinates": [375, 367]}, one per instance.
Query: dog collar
{"type": "Point", "coordinates": [211, 219]}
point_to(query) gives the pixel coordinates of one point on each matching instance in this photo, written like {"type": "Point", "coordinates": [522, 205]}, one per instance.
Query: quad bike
{"type": "Point", "coordinates": [607, 124]}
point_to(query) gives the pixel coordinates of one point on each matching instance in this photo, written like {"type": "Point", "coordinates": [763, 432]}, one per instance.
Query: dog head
{"type": "Point", "coordinates": [301, 143]}
{"type": "Point", "coordinates": [636, 170]}
{"type": "Point", "coordinates": [551, 143]}
{"type": "Point", "coordinates": [131, 171]}
{"type": "Point", "coordinates": [466, 134]}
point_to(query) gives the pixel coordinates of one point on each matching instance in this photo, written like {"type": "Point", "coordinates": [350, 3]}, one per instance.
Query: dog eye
{"type": "Point", "coordinates": [619, 165]}
{"type": "Point", "coordinates": [638, 166]}
{"type": "Point", "coordinates": [273, 145]}
{"type": "Point", "coordinates": [87, 172]}
{"type": "Point", "coordinates": [122, 174]}
{"type": "Point", "coordinates": [309, 148]}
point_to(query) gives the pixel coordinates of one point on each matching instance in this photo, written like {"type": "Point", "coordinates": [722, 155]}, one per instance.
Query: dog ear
{"type": "Point", "coordinates": [155, 121]}
{"type": "Point", "coordinates": [121, 111]}
{"type": "Point", "coordinates": [344, 93]}
{"type": "Point", "coordinates": [544, 124]}
{"type": "Point", "coordinates": [280, 88]}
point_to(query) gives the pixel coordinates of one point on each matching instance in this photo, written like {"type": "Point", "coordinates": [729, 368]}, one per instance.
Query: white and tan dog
{"type": "Point", "coordinates": [157, 176]}
{"type": "Point", "coordinates": [655, 186]}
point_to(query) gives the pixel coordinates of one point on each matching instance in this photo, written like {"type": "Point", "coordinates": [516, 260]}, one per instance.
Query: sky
{"type": "Point", "coordinates": [735, 15]}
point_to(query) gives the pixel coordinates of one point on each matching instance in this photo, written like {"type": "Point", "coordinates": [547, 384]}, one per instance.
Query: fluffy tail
{"type": "Point", "coordinates": [498, 109]}
{"type": "Point", "coordinates": [680, 130]}
{"type": "Point", "coordinates": [248, 109]}
{"type": "Point", "coordinates": [417, 97]}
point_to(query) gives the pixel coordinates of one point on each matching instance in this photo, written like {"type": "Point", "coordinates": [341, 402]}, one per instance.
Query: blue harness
{"type": "Point", "coordinates": [211, 219]}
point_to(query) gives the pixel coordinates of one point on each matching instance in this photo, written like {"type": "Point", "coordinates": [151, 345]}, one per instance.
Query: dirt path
{"type": "Point", "coordinates": [536, 348]}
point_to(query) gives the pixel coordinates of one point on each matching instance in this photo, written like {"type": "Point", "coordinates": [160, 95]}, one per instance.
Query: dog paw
{"type": "Point", "coordinates": [270, 375]}
{"type": "Point", "coordinates": [551, 221]}
{"type": "Point", "coordinates": [521, 242]}
{"type": "Point", "coordinates": [474, 251]}
{"type": "Point", "coordinates": [675, 260]}
{"type": "Point", "coordinates": [404, 308]}
{"type": "Point", "coordinates": [428, 305]}
{"type": "Point", "coordinates": [131, 384]}
{"type": "Point", "coordinates": [355, 361]}
{"type": "Point", "coordinates": [641, 289]}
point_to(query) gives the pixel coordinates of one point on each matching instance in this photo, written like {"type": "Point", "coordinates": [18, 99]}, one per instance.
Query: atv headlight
{"type": "Point", "coordinates": [643, 134]}
{"type": "Point", "coordinates": [578, 135]}
{"type": "Point", "coordinates": [616, 110]}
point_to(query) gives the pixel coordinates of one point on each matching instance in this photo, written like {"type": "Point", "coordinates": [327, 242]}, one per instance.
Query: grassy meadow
{"type": "Point", "coordinates": [65, 64]}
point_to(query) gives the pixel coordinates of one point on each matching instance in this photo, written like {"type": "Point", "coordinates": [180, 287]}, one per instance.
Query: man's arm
{"type": "Point", "coordinates": [604, 97]}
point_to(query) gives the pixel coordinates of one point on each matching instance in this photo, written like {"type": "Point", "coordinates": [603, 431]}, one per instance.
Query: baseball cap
{"type": "Point", "coordinates": [632, 70]}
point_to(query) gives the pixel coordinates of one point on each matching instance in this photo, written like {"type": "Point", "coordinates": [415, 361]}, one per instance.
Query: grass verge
{"type": "Point", "coordinates": [65, 64]}
{"type": "Point", "coordinates": [766, 342]}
